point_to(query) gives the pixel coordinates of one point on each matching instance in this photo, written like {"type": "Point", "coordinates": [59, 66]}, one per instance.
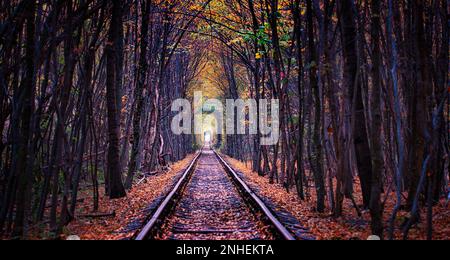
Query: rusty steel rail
{"type": "Point", "coordinates": [256, 201]}
{"type": "Point", "coordinates": [168, 201]}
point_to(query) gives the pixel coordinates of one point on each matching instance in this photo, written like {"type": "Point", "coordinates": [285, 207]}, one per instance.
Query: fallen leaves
{"type": "Point", "coordinates": [127, 210]}
{"type": "Point", "coordinates": [212, 209]}
{"type": "Point", "coordinates": [348, 227]}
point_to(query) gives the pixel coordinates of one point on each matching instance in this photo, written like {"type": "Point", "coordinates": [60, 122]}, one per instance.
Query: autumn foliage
{"type": "Point", "coordinates": [86, 89]}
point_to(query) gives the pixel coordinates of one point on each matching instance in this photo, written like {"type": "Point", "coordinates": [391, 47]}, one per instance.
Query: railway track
{"type": "Point", "coordinates": [211, 202]}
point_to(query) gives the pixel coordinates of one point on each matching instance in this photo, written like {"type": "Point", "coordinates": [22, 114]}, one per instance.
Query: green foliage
{"type": "Point", "coordinates": [261, 37]}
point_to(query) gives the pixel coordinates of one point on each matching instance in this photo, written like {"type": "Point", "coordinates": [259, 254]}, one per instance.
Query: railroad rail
{"type": "Point", "coordinates": [209, 202]}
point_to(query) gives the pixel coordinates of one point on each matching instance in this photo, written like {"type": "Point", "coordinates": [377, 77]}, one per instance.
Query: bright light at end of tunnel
{"type": "Point", "coordinates": [207, 137]}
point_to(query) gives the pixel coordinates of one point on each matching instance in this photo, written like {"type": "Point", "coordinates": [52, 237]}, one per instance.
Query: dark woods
{"type": "Point", "coordinates": [86, 89]}
{"type": "Point", "coordinates": [84, 84]}
{"type": "Point", "coordinates": [364, 96]}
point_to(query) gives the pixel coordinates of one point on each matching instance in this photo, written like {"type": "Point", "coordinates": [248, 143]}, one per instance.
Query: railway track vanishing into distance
{"type": "Point", "coordinates": [211, 202]}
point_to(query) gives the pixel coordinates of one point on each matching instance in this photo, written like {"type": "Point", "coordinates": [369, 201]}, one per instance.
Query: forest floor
{"type": "Point", "coordinates": [350, 226]}
{"type": "Point", "coordinates": [130, 212]}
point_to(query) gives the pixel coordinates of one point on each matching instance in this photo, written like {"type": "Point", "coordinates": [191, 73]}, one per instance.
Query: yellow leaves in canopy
{"type": "Point", "coordinates": [196, 7]}
{"type": "Point", "coordinates": [236, 40]}
{"type": "Point", "coordinates": [303, 11]}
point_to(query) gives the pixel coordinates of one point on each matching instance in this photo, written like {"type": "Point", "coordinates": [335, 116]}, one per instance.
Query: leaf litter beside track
{"type": "Point", "coordinates": [350, 226]}
{"type": "Point", "coordinates": [131, 211]}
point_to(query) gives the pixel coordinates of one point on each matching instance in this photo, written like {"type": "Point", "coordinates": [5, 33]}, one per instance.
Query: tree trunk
{"type": "Point", "coordinates": [113, 51]}
{"type": "Point", "coordinates": [359, 123]}
{"type": "Point", "coordinates": [377, 125]}
{"type": "Point", "coordinates": [419, 115]}
{"type": "Point", "coordinates": [26, 98]}
{"type": "Point", "coordinates": [85, 104]}
{"type": "Point", "coordinates": [138, 96]}
{"type": "Point", "coordinates": [256, 143]}
{"type": "Point", "coordinates": [317, 154]}
{"type": "Point", "coordinates": [349, 38]}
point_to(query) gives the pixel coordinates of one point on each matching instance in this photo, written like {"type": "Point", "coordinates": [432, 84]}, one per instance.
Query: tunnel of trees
{"type": "Point", "coordinates": [86, 88]}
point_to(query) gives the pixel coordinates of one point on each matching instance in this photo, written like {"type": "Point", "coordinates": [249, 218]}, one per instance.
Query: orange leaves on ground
{"type": "Point", "coordinates": [127, 209]}
{"type": "Point", "coordinates": [350, 226]}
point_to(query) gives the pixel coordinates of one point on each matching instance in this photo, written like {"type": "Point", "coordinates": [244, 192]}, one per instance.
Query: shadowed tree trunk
{"type": "Point", "coordinates": [316, 154]}
{"type": "Point", "coordinates": [113, 51]}
{"type": "Point", "coordinates": [359, 123]}
{"type": "Point", "coordinates": [138, 95]}
{"type": "Point", "coordinates": [26, 105]}
{"type": "Point", "coordinates": [87, 90]}
{"type": "Point", "coordinates": [419, 114]}
{"type": "Point", "coordinates": [377, 125]}
{"type": "Point", "coordinates": [71, 44]}
{"type": "Point", "coordinates": [300, 147]}
{"type": "Point", "coordinates": [398, 121]}
{"type": "Point", "coordinates": [256, 73]}
{"type": "Point", "coordinates": [348, 31]}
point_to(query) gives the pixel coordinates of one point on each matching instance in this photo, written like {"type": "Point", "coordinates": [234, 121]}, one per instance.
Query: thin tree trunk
{"type": "Point", "coordinates": [113, 51]}
{"type": "Point", "coordinates": [317, 154]}
{"type": "Point", "coordinates": [349, 38]}
{"type": "Point", "coordinates": [138, 96]}
{"type": "Point", "coordinates": [377, 125]}
{"type": "Point", "coordinates": [27, 94]}
{"type": "Point", "coordinates": [300, 142]}
{"type": "Point", "coordinates": [398, 123]}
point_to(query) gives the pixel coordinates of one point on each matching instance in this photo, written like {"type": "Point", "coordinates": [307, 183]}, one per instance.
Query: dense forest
{"type": "Point", "coordinates": [86, 88]}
